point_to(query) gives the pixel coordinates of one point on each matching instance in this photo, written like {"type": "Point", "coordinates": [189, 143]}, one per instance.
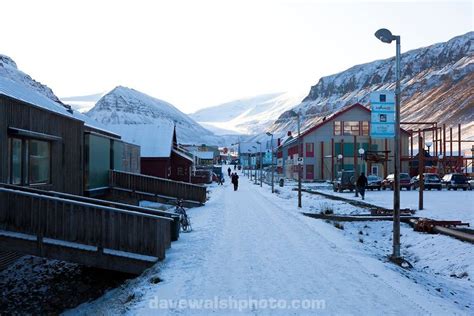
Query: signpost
{"type": "Point", "coordinates": [300, 161]}
{"type": "Point", "coordinates": [382, 121]}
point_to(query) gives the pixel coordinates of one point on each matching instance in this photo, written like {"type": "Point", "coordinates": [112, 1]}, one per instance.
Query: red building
{"type": "Point", "coordinates": [164, 159]}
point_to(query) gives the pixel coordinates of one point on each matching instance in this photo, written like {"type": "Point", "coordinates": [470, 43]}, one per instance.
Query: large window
{"type": "Point", "coordinates": [351, 128]}
{"type": "Point", "coordinates": [30, 161]}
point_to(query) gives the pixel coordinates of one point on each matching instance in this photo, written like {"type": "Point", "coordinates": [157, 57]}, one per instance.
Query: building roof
{"type": "Point", "coordinates": [329, 119]}
{"type": "Point", "coordinates": [155, 140]}
{"type": "Point", "coordinates": [204, 154]}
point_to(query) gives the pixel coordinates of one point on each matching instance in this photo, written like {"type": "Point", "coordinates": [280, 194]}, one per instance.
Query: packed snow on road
{"type": "Point", "coordinates": [254, 252]}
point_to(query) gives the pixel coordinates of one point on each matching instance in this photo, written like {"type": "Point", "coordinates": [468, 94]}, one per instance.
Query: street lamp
{"type": "Point", "coordinates": [361, 154]}
{"type": "Point", "coordinates": [249, 157]}
{"type": "Point", "coordinates": [297, 115]}
{"type": "Point", "coordinates": [255, 167]}
{"type": "Point", "coordinates": [386, 36]}
{"type": "Point", "coordinates": [428, 144]}
{"type": "Point", "coordinates": [270, 134]}
{"type": "Point", "coordinates": [261, 162]}
{"type": "Point", "coordinates": [341, 162]}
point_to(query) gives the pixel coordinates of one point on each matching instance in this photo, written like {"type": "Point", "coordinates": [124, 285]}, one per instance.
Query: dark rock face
{"type": "Point", "coordinates": [423, 70]}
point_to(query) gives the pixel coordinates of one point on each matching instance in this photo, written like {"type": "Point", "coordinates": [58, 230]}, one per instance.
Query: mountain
{"type": "Point", "coordinates": [83, 103]}
{"type": "Point", "coordinates": [436, 81]}
{"type": "Point", "coordinates": [124, 110]}
{"type": "Point", "coordinates": [19, 85]}
{"type": "Point", "coordinates": [246, 116]}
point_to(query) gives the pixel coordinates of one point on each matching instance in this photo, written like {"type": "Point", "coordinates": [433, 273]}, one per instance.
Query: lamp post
{"type": "Point", "coordinates": [341, 162]}
{"type": "Point", "coordinates": [361, 155]}
{"type": "Point", "coordinates": [297, 115]}
{"type": "Point", "coordinates": [260, 145]}
{"type": "Point", "coordinates": [440, 163]}
{"type": "Point", "coordinates": [238, 151]}
{"type": "Point", "coordinates": [270, 134]}
{"type": "Point", "coordinates": [249, 157]}
{"type": "Point", "coordinates": [255, 167]}
{"type": "Point", "coordinates": [386, 36]}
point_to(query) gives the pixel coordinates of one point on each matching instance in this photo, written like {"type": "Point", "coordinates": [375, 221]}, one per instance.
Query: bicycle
{"type": "Point", "coordinates": [183, 216]}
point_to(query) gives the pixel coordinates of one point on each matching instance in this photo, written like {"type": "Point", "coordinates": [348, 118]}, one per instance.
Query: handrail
{"type": "Point", "coordinates": [107, 208]}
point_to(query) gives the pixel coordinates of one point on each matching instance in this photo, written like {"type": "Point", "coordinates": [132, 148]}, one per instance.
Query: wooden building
{"type": "Point", "coordinates": [343, 133]}
{"type": "Point", "coordinates": [163, 158]}
{"type": "Point", "coordinates": [49, 146]}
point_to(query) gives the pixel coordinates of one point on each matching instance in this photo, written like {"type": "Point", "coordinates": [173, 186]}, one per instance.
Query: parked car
{"type": "Point", "coordinates": [471, 183]}
{"type": "Point", "coordinates": [430, 180]}
{"type": "Point", "coordinates": [387, 183]}
{"type": "Point", "coordinates": [455, 181]}
{"type": "Point", "coordinates": [344, 181]}
{"type": "Point", "coordinates": [374, 182]}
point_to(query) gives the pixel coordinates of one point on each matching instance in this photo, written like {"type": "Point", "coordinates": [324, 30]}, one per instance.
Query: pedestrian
{"type": "Point", "coordinates": [235, 166]}
{"type": "Point", "coordinates": [361, 184]}
{"type": "Point", "coordinates": [235, 181]}
{"type": "Point", "coordinates": [222, 179]}
{"type": "Point", "coordinates": [229, 171]}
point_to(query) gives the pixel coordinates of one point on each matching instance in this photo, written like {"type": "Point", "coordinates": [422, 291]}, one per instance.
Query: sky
{"type": "Point", "coordinates": [201, 53]}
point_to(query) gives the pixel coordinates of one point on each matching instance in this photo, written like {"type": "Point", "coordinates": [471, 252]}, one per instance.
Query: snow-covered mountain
{"type": "Point", "coordinates": [437, 85]}
{"type": "Point", "coordinates": [83, 103]}
{"type": "Point", "coordinates": [247, 116]}
{"type": "Point", "coordinates": [19, 85]}
{"type": "Point", "coordinates": [124, 109]}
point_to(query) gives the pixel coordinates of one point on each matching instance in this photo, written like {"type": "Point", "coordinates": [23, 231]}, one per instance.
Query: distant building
{"type": "Point", "coordinates": [162, 157]}
{"type": "Point", "coordinates": [343, 133]}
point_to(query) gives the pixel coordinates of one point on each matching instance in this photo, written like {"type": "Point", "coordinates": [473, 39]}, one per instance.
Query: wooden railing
{"type": "Point", "coordinates": [175, 224]}
{"type": "Point", "coordinates": [158, 186]}
{"type": "Point", "coordinates": [66, 221]}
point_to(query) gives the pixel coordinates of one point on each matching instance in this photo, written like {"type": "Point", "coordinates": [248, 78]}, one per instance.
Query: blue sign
{"type": "Point", "coordinates": [382, 119]}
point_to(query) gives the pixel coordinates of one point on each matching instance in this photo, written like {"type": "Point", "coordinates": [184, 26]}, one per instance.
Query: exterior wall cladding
{"type": "Point", "coordinates": [322, 164]}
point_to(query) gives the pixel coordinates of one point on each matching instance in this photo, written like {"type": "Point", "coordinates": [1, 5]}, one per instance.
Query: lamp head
{"type": "Point", "coordinates": [384, 35]}
{"type": "Point", "coordinates": [269, 134]}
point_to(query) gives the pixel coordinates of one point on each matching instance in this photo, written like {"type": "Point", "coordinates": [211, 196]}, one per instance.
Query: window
{"type": "Point", "coordinates": [15, 160]}
{"type": "Point", "coordinates": [30, 161]}
{"type": "Point", "coordinates": [309, 149]}
{"type": "Point", "coordinates": [365, 128]}
{"type": "Point", "coordinates": [40, 159]}
{"type": "Point", "coordinates": [180, 171]}
{"type": "Point", "coordinates": [351, 128]}
{"type": "Point", "coordinates": [337, 128]}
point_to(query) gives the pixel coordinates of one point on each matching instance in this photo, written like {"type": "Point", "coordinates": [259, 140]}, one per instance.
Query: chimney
{"type": "Point", "coordinates": [279, 142]}
{"type": "Point", "coordinates": [289, 133]}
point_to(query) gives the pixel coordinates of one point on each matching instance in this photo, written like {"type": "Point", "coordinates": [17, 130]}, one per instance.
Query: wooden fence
{"type": "Point", "coordinates": [158, 186]}
{"type": "Point", "coordinates": [64, 222]}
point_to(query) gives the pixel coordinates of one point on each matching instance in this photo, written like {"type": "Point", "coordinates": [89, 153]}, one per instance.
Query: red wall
{"type": "Point", "coordinates": [157, 167]}
{"type": "Point", "coordinates": [179, 162]}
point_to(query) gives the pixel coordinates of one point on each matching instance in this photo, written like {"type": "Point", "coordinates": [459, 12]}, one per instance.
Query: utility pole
{"type": "Point", "coordinates": [270, 134]}
{"type": "Point", "coordinates": [421, 168]}
{"type": "Point", "coordinates": [299, 165]}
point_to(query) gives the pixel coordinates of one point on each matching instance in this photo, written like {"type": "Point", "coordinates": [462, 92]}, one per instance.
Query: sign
{"type": "Point", "coordinates": [382, 119]}
{"type": "Point", "coordinates": [280, 162]}
{"type": "Point", "coordinates": [300, 161]}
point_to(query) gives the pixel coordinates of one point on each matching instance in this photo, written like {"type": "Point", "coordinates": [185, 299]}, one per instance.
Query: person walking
{"type": "Point", "coordinates": [235, 181]}
{"type": "Point", "coordinates": [361, 184]}
{"type": "Point", "coordinates": [229, 171]}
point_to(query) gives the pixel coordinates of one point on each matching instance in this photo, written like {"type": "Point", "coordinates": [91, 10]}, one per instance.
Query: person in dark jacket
{"type": "Point", "coordinates": [229, 170]}
{"type": "Point", "coordinates": [235, 181]}
{"type": "Point", "coordinates": [361, 184]}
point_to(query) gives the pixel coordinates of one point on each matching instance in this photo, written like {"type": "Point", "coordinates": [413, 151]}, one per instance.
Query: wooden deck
{"type": "Point", "coordinates": [112, 237]}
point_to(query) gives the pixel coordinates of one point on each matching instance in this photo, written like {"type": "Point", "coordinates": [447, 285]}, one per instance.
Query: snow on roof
{"type": "Point", "coordinates": [20, 92]}
{"type": "Point", "coordinates": [204, 154]}
{"type": "Point", "coordinates": [155, 140]}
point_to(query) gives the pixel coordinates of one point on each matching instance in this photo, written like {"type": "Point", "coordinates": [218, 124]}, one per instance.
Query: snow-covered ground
{"type": "Point", "coordinates": [250, 249]}
{"type": "Point", "coordinates": [442, 205]}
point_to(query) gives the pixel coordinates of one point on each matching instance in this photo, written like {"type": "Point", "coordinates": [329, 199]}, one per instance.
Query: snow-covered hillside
{"type": "Point", "coordinates": [247, 116]}
{"type": "Point", "coordinates": [123, 109]}
{"type": "Point", "coordinates": [83, 103]}
{"type": "Point", "coordinates": [436, 86]}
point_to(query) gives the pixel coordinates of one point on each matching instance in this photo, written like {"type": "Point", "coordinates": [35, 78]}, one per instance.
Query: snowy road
{"type": "Point", "coordinates": [252, 245]}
